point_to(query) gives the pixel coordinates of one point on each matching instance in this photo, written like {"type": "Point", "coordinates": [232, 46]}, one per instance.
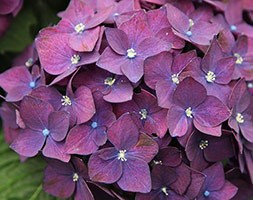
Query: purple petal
{"type": "Point", "coordinates": [106, 171]}
{"type": "Point", "coordinates": [58, 125]}
{"type": "Point", "coordinates": [39, 111]}
{"type": "Point", "coordinates": [135, 176]}
{"type": "Point", "coordinates": [117, 40]}
{"type": "Point", "coordinates": [80, 141]}
{"type": "Point", "coordinates": [145, 149]}
{"type": "Point", "coordinates": [177, 121]}
{"type": "Point", "coordinates": [226, 193]}
{"type": "Point", "coordinates": [83, 191]}
{"type": "Point", "coordinates": [8, 6]}
{"type": "Point", "coordinates": [123, 133]}
{"type": "Point", "coordinates": [189, 93]}
{"type": "Point", "coordinates": [211, 112]}
{"type": "Point", "coordinates": [28, 143]}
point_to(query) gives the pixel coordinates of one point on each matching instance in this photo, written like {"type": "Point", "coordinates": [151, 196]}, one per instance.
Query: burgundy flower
{"type": "Point", "coordinates": [163, 73]}
{"type": "Point", "coordinates": [151, 116]}
{"type": "Point", "coordinates": [241, 118]}
{"type": "Point", "coordinates": [115, 88]}
{"type": "Point", "coordinates": [126, 162]}
{"type": "Point", "coordinates": [64, 179]}
{"type": "Point", "coordinates": [86, 138]}
{"type": "Point", "coordinates": [192, 105]}
{"type": "Point", "coordinates": [196, 29]}
{"type": "Point", "coordinates": [81, 25]}
{"type": "Point", "coordinates": [130, 45]}
{"type": "Point", "coordinates": [199, 149]}
{"type": "Point", "coordinates": [44, 126]}
{"type": "Point", "coordinates": [214, 72]}
{"type": "Point", "coordinates": [18, 82]}
{"type": "Point", "coordinates": [56, 57]}
{"type": "Point", "coordinates": [215, 186]}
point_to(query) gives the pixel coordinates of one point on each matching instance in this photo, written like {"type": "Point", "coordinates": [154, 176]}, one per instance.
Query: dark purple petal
{"type": "Point", "coordinates": [39, 111]}
{"type": "Point", "coordinates": [106, 171]}
{"type": "Point", "coordinates": [135, 176]}
{"type": "Point", "coordinates": [211, 112]}
{"type": "Point", "coordinates": [58, 125]}
{"type": "Point", "coordinates": [55, 150]}
{"type": "Point", "coordinates": [82, 191]}
{"type": "Point", "coordinates": [226, 193]}
{"type": "Point", "coordinates": [28, 143]}
{"type": "Point", "coordinates": [123, 133]}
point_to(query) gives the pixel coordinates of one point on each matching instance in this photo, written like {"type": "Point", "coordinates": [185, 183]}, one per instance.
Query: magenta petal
{"type": "Point", "coordinates": [111, 61]}
{"type": "Point", "coordinates": [85, 41]}
{"type": "Point", "coordinates": [53, 149]}
{"type": "Point", "coordinates": [106, 171]}
{"type": "Point", "coordinates": [82, 191]}
{"type": "Point", "coordinates": [247, 130]}
{"type": "Point", "coordinates": [39, 111]}
{"type": "Point", "coordinates": [28, 143]}
{"type": "Point", "coordinates": [15, 82]}
{"type": "Point", "coordinates": [165, 96]}
{"type": "Point", "coordinates": [123, 133]}
{"type": "Point", "coordinates": [80, 141]}
{"type": "Point", "coordinates": [214, 131]}
{"type": "Point", "coordinates": [226, 193]}
{"type": "Point", "coordinates": [177, 18]}
{"type": "Point", "coordinates": [145, 149]}
{"type": "Point", "coordinates": [133, 69]}
{"type": "Point", "coordinates": [211, 112]}
{"type": "Point", "coordinates": [8, 6]}
{"type": "Point", "coordinates": [118, 40]}
{"type": "Point", "coordinates": [189, 93]}
{"type": "Point", "coordinates": [58, 125]}
{"type": "Point", "coordinates": [121, 91]}
{"type": "Point", "coordinates": [135, 177]}
{"type": "Point", "coordinates": [177, 121]}
{"type": "Point", "coordinates": [83, 105]}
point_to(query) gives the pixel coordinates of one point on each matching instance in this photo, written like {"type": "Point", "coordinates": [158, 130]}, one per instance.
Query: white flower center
{"type": "Point", "coordinates": [250, 85]}
{"type": "Point", "coordinates": [121, 155]}
{"type": "Point", "coordinates": [203, 144]}
{"type": "Point", "coordinates": [189, 112]}
{"type": "Point", "coordinates": [66, 101]}
{"type": "Point", "coordinates": [210, 76]}
{"type": "Point", "coordinates": [191, 23]}
{"type": "Point", "coordinates": [144, 113]}
{"type": "Point", "coordinates": [164, 190]}
{"type": "Point", "coordinates": [75, 177]}
{"type": "Point", "coordinates": [29, 62]}
{"type": "Point", "coordinates": [94, 125]}
{"type": "Point", "coordinates": [79, 28]}
{"type": "Point", "coordinates": [131, 53]}
{"type": "Point", "coordinates": [75, 59]}
{"type": "Point", "coordinates": [174, 78]}
{"type": "Point", "coordinates": [239, 118]}
{"type": "Point", "coordinates": [233, 28]}
{"type": "Point", "coordinates": [206, 193]}
{"type": "Point", "coordinates": [109, 81]}
{"type": "Point", "coordinates": [45, 132]}
{"type": "Point", "coordinates": [239, 59]}
{"type": "Point", "coordinates": [158, 162]}
{"type": "Point", "coordinates": [32, 84]}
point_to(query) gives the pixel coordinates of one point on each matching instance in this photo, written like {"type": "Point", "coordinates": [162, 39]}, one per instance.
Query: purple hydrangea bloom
{"type": "Point", "coordinates": [64, 179]}
{"type": "Point", "coordinates": [151, 117]}
{"type": "Point", "coordinates": [215, 186]}
{"type": "Point", "coordinates": [19, 81]}
{"type": "Point", "coordinates": [130, 45]}
{"type": "Point", "coordinates": [127, 162]}
{"type": "Point", "coordinates": [192, 105]}
{"type": "Point", "coordinates": [45, 129]}
{"type": "Point", "coordinates": [115, 88]}
{"type": "Point", "coordinates": [86, 138]}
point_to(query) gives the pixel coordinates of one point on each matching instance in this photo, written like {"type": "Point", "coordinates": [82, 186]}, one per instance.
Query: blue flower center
{"type": "Point", "coordinates": [32, 84]}
{"type": "Point", "coordinates": [206, 193]}
{"type": "Point", "coordinates": [233, 28]}
{"type": "Point", "coordinates": [189, 33]}
{"type": "Point", "coordinates": [94, 125]}
{"type": "Point", "coordinates": [45, 132]}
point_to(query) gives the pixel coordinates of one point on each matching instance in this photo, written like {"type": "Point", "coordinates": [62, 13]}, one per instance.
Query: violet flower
{"type": "Point", "coordinates": [44, 127]}
{"type": "Point", "coordinates": [127, 162]}
{"type": "Point", "coordinates": [192, 105]}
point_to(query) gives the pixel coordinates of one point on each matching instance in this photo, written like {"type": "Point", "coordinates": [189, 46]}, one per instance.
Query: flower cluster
{"type": "Point", "coordinates": [138, 99]}
{"type": "Point", "coordinates": [8, 10]}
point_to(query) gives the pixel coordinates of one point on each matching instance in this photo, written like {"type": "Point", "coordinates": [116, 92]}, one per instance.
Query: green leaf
{"type": "Point", "coordinates": [19, 181]}
{"type": "Point", "coordinates": [19, 34]}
